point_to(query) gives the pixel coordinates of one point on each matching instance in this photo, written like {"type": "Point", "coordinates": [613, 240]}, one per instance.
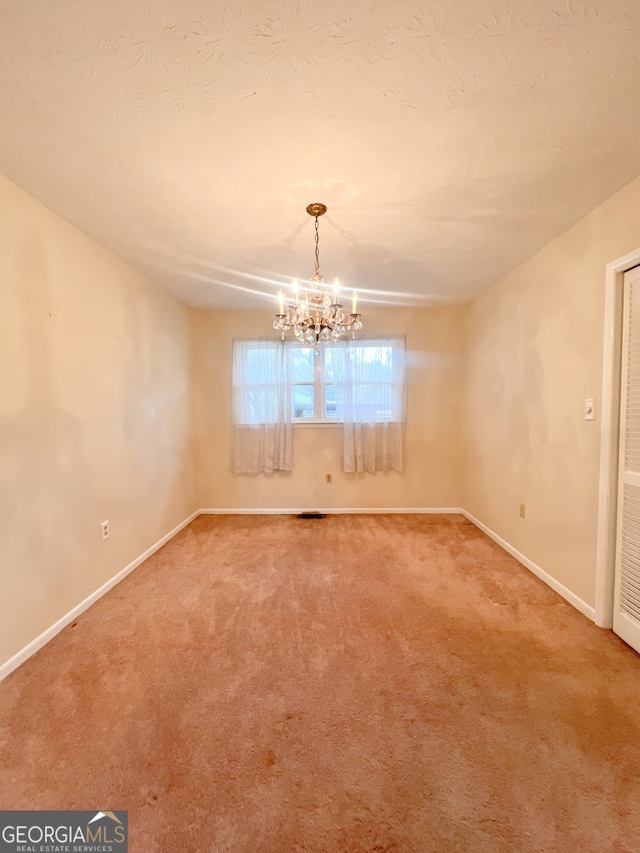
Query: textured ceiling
{"type": "Point", "coordinates": [450, 140]}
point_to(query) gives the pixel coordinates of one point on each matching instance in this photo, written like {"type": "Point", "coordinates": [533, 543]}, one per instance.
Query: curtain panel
{"type": "Point", "coordinates": [364, 379]}
{"type": "Point", "coordinates": [262, 408]}
{"type": "Point", "coordinates": [370, 383]}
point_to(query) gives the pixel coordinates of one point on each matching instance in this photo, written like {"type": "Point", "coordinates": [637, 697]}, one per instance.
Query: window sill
{"type": "Point", "coordinates": [315, 425]}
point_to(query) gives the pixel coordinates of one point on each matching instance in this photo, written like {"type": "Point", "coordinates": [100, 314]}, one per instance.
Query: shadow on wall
{"type": "Point", "coordinates": [45, 479]}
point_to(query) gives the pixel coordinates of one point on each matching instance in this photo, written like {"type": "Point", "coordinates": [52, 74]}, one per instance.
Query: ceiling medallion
{"type": "Point", "coordinates": [315, 313]}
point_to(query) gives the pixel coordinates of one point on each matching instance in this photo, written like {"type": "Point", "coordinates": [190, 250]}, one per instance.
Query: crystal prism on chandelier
{"type": "Point", "coordinates": [317, 314]}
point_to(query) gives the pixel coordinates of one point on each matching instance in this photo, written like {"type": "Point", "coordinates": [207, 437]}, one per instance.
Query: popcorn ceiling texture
{"type": "Point", "coordinates": [450, 141]}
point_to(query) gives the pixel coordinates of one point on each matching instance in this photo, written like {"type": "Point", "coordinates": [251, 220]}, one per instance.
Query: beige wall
{"type": "Point", "coordinates": [534, 348]}
{"type": "Point", "coordinates": [94, 416]}
{"type": "Point", "coordinates": [111, 389]}
{"type": "Point", "coordinates": [433, 465]}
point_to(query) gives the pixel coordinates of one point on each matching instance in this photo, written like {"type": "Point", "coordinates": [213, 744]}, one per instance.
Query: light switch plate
{"type": "Point", "coordinates": [590, 410]}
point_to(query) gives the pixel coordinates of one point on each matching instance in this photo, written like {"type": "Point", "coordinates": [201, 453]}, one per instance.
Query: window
{"type": "Point", "coordinates": [368, 380]}
{"type": "Point", "coordinates": [313, 390]}
{"type": "Point", "coordinates": [261, 382]}
{"type": "Point", "coordinates": [364, 376]}
{"type": "Point", "coordinates": [303, 374]}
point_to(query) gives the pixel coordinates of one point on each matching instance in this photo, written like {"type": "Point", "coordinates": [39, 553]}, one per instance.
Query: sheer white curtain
{"type": "Point", "coordinates": [369, 379]}
{"type": "Point", "coordinates": [262, 407]}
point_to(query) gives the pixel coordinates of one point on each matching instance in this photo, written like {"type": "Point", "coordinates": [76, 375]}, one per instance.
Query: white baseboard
{"type": "Point", "coordinates": [412, 510]}
{"type": "Point", "coordinates": [25, 653]}
{"type": "Point", "coordinates": [569, 596]}
{"type": "Point", "coordinates": [51, 632]}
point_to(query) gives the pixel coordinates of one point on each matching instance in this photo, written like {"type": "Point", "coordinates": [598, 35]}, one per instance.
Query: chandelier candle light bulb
{"type": "Point", "coordinates": [316, 317]}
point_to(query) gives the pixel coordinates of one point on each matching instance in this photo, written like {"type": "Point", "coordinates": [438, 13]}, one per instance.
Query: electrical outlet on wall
{"type": "Point", "coordinates": [104, 530]}
{"type": "Point", "coordinates": [523, 511]}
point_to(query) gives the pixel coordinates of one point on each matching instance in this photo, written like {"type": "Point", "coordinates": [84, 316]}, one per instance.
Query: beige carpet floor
{"type": "Point", "coordinates": [361, 684]}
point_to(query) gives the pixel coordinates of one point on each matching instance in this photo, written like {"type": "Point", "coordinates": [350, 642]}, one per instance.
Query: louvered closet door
{"type": "Point", "coordinates": [626, 616]}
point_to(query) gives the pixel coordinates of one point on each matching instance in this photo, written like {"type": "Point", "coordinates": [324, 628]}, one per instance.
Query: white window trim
{"type": "Point", "coordinates": [309, 424]}
{"type": "Point", "coordinates": [319, 384]}
{"type": "Point", "coordinates": [319, 390]}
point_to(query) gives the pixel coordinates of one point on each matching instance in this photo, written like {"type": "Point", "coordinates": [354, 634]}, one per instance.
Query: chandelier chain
{"type": "Point", "coordinates": [317, 248]}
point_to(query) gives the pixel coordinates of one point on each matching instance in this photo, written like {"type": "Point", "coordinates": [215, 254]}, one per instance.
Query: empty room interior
{"type": "Point", "coordinates": [320, 425]}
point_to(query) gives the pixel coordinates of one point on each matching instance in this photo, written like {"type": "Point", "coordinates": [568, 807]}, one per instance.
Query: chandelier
{"type": "Point", "coordinates": [317, 314]}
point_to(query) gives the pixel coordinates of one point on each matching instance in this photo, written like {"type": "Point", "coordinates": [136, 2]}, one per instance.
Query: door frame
{"type": "Point", "coordinates": [609, 437]}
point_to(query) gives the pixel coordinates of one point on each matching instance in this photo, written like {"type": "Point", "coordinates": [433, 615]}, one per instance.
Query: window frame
{"type": "Point", "coordinates": [319, 388]}
{"type": "Point", "coordinates": [397, 390]}
{"type": "Point", "coordinates": [240, 395]}
{"type": "Point", "coordinates": [319, 384]}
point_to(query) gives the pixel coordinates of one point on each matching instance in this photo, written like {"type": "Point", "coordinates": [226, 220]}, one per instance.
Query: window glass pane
{"type": "Point", "coordinates": [260, 366]}
{"type": "Point", "coordinates": [303, 401]}
{"type": "Point", "coordinates": [373, 364]}
{"type": "Point", "coordinates": [302, 364]}
{"type": "Point", "coordinates": [373, 401]}
{"type": "Point", "coordinates": [384, 403]}
{"type": "Point", "coordinates": [364, 401]}
{"type": "Point", "coordinates": [256, 405]}
{"type": "Point", "coordinates": [329, 363]}
{"type": "Point", "coordinates": [330, 401]}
